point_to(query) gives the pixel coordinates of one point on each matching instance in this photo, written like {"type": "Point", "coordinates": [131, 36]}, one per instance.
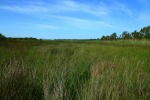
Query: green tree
{"type": "Point", "coordinates": [145, 32]}
{"type": "Point", "coordinates": [107, 37]}
{"type": "Point", "coordinates": [2, 37]}
{"type": "Point", "coordinates": [113, 36]}
{"type": "Point", "coordinates": [126, 35]}
{"type": "Point", "coordinates": [136, 35]}
{"type": "Point", "coordinates": [103, 38]}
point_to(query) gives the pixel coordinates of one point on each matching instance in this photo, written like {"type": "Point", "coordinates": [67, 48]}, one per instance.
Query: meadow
{"type": "Point", "coordinates": [75, 70]}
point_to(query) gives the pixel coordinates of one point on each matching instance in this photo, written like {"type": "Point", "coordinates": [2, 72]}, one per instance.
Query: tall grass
{"type": "Point", "coordinates": [76, 71]}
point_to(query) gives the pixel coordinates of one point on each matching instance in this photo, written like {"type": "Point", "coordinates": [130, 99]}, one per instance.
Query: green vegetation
{"type": "Point", "coordinates": [33, 69]}
{"type": "Point", "coordinates": [75, 69]}
{"type": "Point", "coordinates": [144, 33]}
{"type": "Point", "coordinates": [2, 37]}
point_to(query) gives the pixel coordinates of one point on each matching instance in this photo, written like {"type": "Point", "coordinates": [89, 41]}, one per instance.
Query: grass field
{"type": "Point", "coordinates": [75, 70]}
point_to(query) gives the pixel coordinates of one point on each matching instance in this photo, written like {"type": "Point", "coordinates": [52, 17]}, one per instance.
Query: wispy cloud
{"type": "Point", "coordinates": [98, 10]}
{"type": "Point", "coordinates": [25, 8]}
{"type": "Point", "coordinates": [47, 26]}
{"type": "Point", "coordinates": [66, 6]}
{"type": "Point", "coordinates": [126, 10]}
{"type": "Point", "coordinates": [57, 7]}
{"type": "Point", "coordinates": [79, 23]}
{"type": "Point", "coordinates": [122, 7]}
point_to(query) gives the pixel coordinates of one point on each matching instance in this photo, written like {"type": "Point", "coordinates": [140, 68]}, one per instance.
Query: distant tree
{"type": "Point", "coordinates": [136, 35]}
{"type": "Point", "coordinates": [126, 35]}
{"type": "Point", "coordinates": [2, 37]}
{"type": "Point", "coordinates": [107, 37]}
{"type": "Point", "coordinates": [103, 38]}
{"type": "Point", "coordinates": [145, 32]}
{"type": "Point", "coordinates": [113, 36]}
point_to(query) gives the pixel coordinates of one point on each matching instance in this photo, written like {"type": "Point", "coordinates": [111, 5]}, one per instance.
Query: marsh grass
{"type": "Point", "coordinates": [79, 70]}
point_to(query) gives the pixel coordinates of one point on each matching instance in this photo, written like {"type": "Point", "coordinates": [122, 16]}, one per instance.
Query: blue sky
{"type": "Point", "coordinates": [72, 19]}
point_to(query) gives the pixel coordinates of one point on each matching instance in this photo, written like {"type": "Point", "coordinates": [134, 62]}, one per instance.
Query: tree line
{"type": "Point", "coordinates": [144, 33]}
{"type": "Point", "coordinates": [3, 37]}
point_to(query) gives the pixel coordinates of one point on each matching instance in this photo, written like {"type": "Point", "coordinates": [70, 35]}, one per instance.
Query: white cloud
{"type": "Point", "coordinates": [79, 23]}
{"type": "Point", "coordinates": [62, 6]}
{"type": "Point", "coordinates": [47, 26]}
{"type": "Point", "coordinates": [97, 10]}
{"type": "Point", "coordinates": [67, 6]}
{"type": "Point", "coordinates": [26, 9]}
{"type": "Point", "coordinates": [122, 7]}
{"type": "Point", "coordinates": [44, 26]}
{"type": "Point", "coordinates": [126, 10]}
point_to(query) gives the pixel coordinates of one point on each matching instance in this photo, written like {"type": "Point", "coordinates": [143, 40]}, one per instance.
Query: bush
{"type": "Point", "coordinates": [2, 37]}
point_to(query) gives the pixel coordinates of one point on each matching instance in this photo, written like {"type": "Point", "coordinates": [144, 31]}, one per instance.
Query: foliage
{"type": "Point", "coordinates": [144, 33]}
{"type": "Point", "coordinates": [2, 37]}
{"type": "Point", "coordinates": [19, 38]}
{"type": "Point", "coordinates": [74, 70]}
{"type": "Point", "coordinates": [137, 35]}
{"type": "Point", "coordinates": [111, 37]}
{"type": "Point", "coordinates": [126, 35]}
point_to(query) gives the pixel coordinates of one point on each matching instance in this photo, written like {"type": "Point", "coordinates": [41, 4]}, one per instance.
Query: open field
{"type": "Point", "coordinates": [74, 70]}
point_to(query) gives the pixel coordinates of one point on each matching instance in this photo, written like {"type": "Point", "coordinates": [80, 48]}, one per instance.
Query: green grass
{"type": "Point", "coordinates": [75, 70]}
